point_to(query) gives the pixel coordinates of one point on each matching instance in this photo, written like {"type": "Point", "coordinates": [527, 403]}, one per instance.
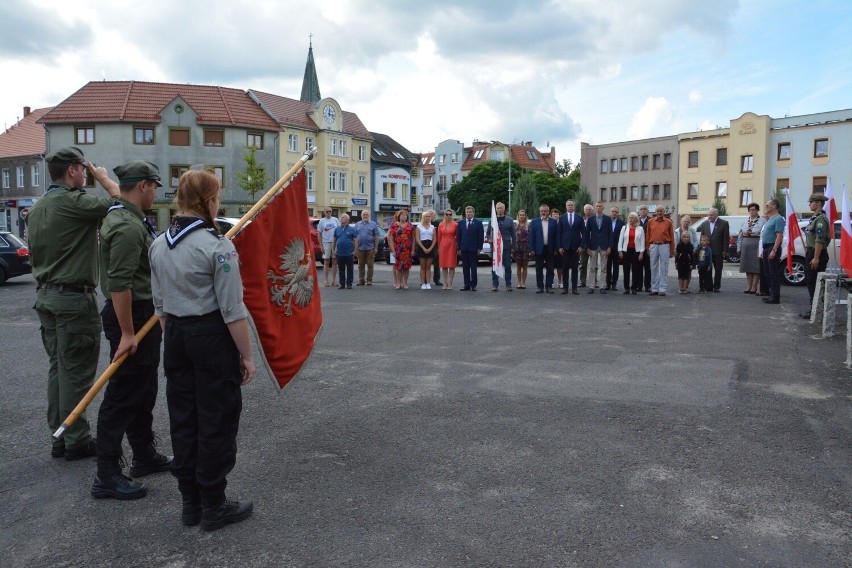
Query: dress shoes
{"type": "Point", "coordinates": [628, 292]}
{"type": "Point", "coordinates": [771, 301]}
{"type": "Point", "coordinates": [591, 291]}
{"type": "Point", "coordinates": [118, 486]}
{"type": "Point", "coordinates": [85, 451]}
{"type": "Point", "coordinates": [564, 292]}
{"type": "Point", "coordinates": [465, 289]}
{"type": "Point", "coordinates": [549, 290]}
{"type": "Point", "coordinates": [575, 292]}
{"type": "Point", "coordinates": [227, 512]}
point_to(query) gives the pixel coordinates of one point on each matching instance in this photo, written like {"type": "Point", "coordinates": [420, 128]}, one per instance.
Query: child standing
{"type": "Point", "coordinates": [683, 261]}
{"type": "Point", "coordinates": [704, 262]}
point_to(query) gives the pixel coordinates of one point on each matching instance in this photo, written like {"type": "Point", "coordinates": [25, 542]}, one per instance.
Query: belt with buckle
{"type": "Point", "coordinates": [67, 288]}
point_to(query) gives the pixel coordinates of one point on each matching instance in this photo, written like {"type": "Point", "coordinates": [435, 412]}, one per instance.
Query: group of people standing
{"type": "Point", "coordinates": [189, 278]}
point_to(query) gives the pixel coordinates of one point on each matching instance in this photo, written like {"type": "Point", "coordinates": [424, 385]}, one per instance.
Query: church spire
{"type": "Point", "coordinates": [310, 84]}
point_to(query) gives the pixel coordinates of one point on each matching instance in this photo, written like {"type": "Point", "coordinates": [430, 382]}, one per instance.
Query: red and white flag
{"type": "Point", "coordinates": [845, 238]}
{"type": "Point", "coordinates": [280, 286]}
{"type": "Point", "coordinates": [831, 204]}
{"type": "Point", "coordinates": [793, 232]}
{"type": "Point", "coordinates": [496, 243]}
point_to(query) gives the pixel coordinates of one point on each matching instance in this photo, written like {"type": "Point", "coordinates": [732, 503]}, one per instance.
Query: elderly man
{"type": "Point", "coordinates": [770, 240]}
{"type": "Point", "coordinates": [368, 246]}
{"type": "Point", "coordinates": [584, 255]}
{"type": "Point", "coordinates": [598, 242]}
{"type": "Point", "coordinates": [326, 227]}
{"type": "Point", "coordinates": [645, 271]}
{"type": "Point", "coordinates": [717, 229]}
{"type": "Point", "coordinates": [661, 248]}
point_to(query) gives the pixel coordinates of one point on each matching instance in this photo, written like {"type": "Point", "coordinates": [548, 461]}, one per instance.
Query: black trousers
{"type": "Point", "coordinates": [544, 262]}
{"type": "Point", "coordinates": [570, 264]}
{"type": "Point", "coordinates": [131, 393]}
{"type": "Point", "coordinates": [645, 263]}
{"type": "Point", "coordinates": [612, 263]}
{"type": "Point", "coordinates": [810, 273]}
{"type": "Point", "coordinates": [202, 368]}
{"type": "Point", "coordinates": [705, 279]}
{"type": "Point", "coordinates": [469, 261]}
{"type": "Point", "coordinates": [772, 268]}
{"type": "Point", "coordinates": [718, 263]}
{"type": "Point", "coordinates": [632, 267]}
{"type": "Point", "coordinates": [345, 269]}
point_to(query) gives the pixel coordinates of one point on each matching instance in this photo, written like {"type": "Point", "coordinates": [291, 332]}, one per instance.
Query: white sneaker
{"type": "Point", "coordinates": [423, 286]}
{"type": "Point", "coordinates": [428, 286]}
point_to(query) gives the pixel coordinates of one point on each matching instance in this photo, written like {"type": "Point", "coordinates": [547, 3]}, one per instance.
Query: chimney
{"type": "Point", "coordinates": [26, 111]}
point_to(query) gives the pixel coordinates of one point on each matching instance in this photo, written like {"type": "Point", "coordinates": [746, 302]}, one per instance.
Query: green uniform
{"type": "Point", "coordinates": [63, 241]}
{"type": "Point", "coordinates": [124, 252]}
{"type": "Point", "coordinates": [816, 232]}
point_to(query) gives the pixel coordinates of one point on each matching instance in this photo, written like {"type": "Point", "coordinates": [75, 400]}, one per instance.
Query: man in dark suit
{"type": "Point", "coordinates": [646, 258]}
{"type": "Point", "coordinates": [717, 229]}
{"type": "Point", "coordinates": [543, 242]}
{"type": "Point", "coordinates": [612, 259]}
{"type": "Point", "coordinates": [598, 243]}
{"type": "Point", "coordinates": [470, 237]}
{"type": "Point", "coordinates": [570, 245]}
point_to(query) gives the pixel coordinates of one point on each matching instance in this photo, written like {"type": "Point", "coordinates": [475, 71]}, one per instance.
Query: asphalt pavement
{"type": "Point", "coordinates": [448, 428]}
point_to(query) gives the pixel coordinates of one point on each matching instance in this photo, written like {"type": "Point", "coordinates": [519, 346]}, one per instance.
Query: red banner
{"type": "Point", "coordinates": [279, 276]}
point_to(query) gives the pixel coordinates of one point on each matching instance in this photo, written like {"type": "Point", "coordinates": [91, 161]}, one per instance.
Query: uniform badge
{"type": "Point", "coordinates": [220, 259]}
{"type": "Point", "coordinates": [227, 268]}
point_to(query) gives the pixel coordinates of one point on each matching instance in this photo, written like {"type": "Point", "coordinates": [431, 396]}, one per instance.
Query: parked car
{"type": "Point", "coordinates": [735, 223]}
{"type": "Point", "coordinates": [797, 277]}
{"type": "Point", "coordinates": [14, 257]}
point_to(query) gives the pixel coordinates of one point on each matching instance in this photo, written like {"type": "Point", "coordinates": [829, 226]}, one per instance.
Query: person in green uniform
{"type": "Point", "coordinates": [63, 242]}
{"type": "Point", "coordinates": [817, 239]}
{"type": "Point", "coordinates": [125, 280]}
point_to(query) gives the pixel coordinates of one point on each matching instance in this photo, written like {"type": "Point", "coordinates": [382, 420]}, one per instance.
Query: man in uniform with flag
{"type": "Point", "coordinates": [817, 239]}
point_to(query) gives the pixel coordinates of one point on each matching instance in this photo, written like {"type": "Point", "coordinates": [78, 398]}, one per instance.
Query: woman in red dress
{"type": "Point", "coordinates": [447, 248]}
{"type": "Point", "coordinates": [401, 242]}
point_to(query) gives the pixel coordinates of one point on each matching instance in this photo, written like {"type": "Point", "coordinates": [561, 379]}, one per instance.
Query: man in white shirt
{"type": "Point", "coordinates": [326, 228]}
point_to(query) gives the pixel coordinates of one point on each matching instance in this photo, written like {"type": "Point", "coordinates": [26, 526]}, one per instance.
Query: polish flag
{"type": "Point", "coordinates": [496, 243]}
{"type": "Point", "coordinates": [831, 204]}
{"type": "Point", "coordinates": [793, 232]}
{"type": "Point", "coordinates": [845, 238]}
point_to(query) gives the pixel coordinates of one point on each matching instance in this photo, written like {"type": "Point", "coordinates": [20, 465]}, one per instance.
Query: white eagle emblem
{"type": "Point", "coordinates": [297, 284]}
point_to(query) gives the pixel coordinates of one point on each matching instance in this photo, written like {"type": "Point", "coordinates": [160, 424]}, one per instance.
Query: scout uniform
{"type": "Point", "coordinates": [817, 232]}
{"type": "Point", "coordinates": [63, 241]}
{"type": "Point", "coordinates": [129, 398]}
{"type": "Point", "coordinates": [197, 289]}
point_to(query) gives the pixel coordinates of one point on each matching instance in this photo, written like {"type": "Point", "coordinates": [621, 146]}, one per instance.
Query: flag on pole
{"type": "Point", "coordinates": [280, 286]}
{"type": "Point", "coordinates": [831, 204]}
{"type": "Point", "coordinates": [496, 243]}
{"type": "Point", "coordinates": [845, 238]}
{"type": "Point", "coordinates": [793, 232]}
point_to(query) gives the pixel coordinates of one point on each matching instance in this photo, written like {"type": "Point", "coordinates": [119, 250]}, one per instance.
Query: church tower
{"type": "Point", "coordinates": [310, 84]}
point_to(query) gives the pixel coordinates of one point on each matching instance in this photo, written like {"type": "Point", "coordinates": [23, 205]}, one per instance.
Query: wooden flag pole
{"type": "Point", "coordinates": [143, 331]}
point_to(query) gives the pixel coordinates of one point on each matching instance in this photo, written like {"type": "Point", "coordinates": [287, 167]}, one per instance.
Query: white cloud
{"type": "Point", "coordinates": [655, 118]}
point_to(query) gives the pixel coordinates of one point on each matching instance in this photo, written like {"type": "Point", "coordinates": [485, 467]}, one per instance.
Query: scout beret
{"type": "Point", "coordinates": [136, 171]}
{"type": "Point", "coordinates": [67, 155]}
{"type": "Point", "coordinates": [817, 197]}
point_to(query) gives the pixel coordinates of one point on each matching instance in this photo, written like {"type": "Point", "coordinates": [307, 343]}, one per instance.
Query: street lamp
{"type": "Point", "coordinates": [510, 180]}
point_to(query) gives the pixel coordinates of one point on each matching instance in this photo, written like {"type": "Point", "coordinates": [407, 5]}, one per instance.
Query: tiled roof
{"type": "Point", "coordinates": [290, 112]}
{"type": "Point", "coordinates": [388, 145]}
{"type": "Point", "coordinates": [428, 169]}
{"type": "Point", "coordinates": [470, 161]}
{"type": "Point", "coordinates": [542, 162]}
{"type": "Point", "coordinates": [26, 138]}
{"type": "Point", "coordinates": [137, 101]}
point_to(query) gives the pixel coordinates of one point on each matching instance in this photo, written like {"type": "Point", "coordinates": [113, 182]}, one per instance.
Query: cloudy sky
{"type": "Point", "coordinates": [552, 72]}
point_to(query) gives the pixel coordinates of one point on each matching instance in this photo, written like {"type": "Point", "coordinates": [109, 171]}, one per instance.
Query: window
{"type": "Point", "coordinates": [721, 189]}
{"type": "Point", "coordinates": [442, 160]}
{"type": "Point", "coordinates": [178, 136]}
{"type": "Point", "coordinates": [533, 156]}
{"type": "Point", "coordinates": [747, 164]}
{"type": "Point", "coordinates": [613, 166]}
{"type": "Point", "coordinates": [783, 151]}
{"type": "Point", "coordinates": [292, 143]}
{"type": "Point", "coordinates": [497, 155]}
{"type": "Point", "coordinates": [19, 175]}
{"type": "Point", "coordinates": [623, 193]}
{"type": "Point", "coordinates": [332, 181]}
{"type": "Point", "coordinates": [693, 159]}
{"type": "Point", "coordinates": [644, 193]}
{"type": "Point", "coordinates": [398, 155]}
{"type": "Point", "coordinates": [634, 163]}
{"type": "Point", "coordinates": [667, 191]}
{"type": "Point", "coordinates": [603, 194]}
{"type": "Point", "coordinates": [634, 192]}
{"type": "Point", "coordinates": [332, 147]}
{"type": "Point", "coordinates": [819, 184]}
{"type": "Point", "coordinates": [782, 183]}
{"type": "Point", "coordinates": [644, 162]}
{"type": "Point", "coordinates": [405, 195]}
{"type": "Point", "coordinates": [389, 190]}
{"type": "Point", "coordinates": [692, 191]}
{"type": "Point", "coordinates": [84, 135]}
{"type": "Point", "coordinates": [821, 148]}
{"type": "Point", "coordinates": [604, 166]}
{"type": "Point", "coordinates": [454, 178]}
{"type": "Point", "coordinates": [309, 143]}
{"type": "Point", "coordinates": [380, 152]}
{"type": "Point", "coordinates": [35, 175]}
{"type": "Point", "coordinates": [478, 154]}
{"type": "Point", "coordinates": [721, 156]}
{"type": "Point", "coordinates": [214, 137]}
{"type": "Point", "coordinates": [256, 139]}
{"type": "Point", "coordinates": [362, 153]}
{"type": "Point", "coordinates": [342, 149]}
{"type": "Point", "coordinates": [5, 178]}
{"type": "Point", "coordinates": [613, 194]}
{"type": "Point", "coordinates": [655, 191]}
{"type": "Point", "coordinates": [174, 174]}
{"type": "Point", "coordinates": [342, 178]}
{"type": "Point", "coordinates": [143, 135]}
{"type": "Point", "coordinates": [745, 197]}
{"type": "Point", "coordinates": [442, 182]}
{"type": "Point", "coordinates": [309, 179]}
{"type": "Point", "coordinates": [362, 184]}
{"type": "Point", "coordinates": [657, 162]}
{"type": "Point", "coordinates": [427, 181]}
{"type": "Point", "coordinates": [667, 161]}
{"type": "Point", "coordinates": [454, 157]}
{"type": "Point", "coordinates": [623, 164]}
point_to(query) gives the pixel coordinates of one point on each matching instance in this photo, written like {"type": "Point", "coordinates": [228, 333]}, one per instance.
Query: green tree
{"type": "Point", "coordinates": [524, 196]}
{"type": "Point", "coordinates": [582, 198]}
{"type": "Point", "coordinates": [565, 168]}
{"type": "Point", "coordinates": [253, 178]}
{"type": "Point", "coordinates": [553, 190]}
{"type": "Point", "coordinates": [486, 182]}
{"type": "Point", "coordinates": [719, 205]}
{"type": "Point", "coordinates": [782, 201]}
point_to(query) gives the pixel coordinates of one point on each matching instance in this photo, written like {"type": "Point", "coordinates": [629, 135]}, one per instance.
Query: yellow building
{"type": "Point", "coordinates": [729, 163]}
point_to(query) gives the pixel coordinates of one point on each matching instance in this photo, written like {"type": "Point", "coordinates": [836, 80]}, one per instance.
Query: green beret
{"type": "Point", "coordinates": [817, 197]}
{"type": "Point", "coordinates": [67, 155]}
{"type": "Point", "coordinates": [136, 171]}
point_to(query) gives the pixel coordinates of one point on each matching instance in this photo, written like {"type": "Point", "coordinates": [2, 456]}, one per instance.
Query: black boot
{"type": "Point", "coordinates": [118, 486]}
{"type": "Point", "coordinates": [217, 513]}
{"type": "Point", "coordinates": [149, 461]}
{"type": "Point", "coordinates": [191, 502]}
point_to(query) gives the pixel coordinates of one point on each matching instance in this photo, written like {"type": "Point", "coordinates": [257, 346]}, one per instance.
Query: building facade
{"type": "Point", "coordinates": [393, 185]}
